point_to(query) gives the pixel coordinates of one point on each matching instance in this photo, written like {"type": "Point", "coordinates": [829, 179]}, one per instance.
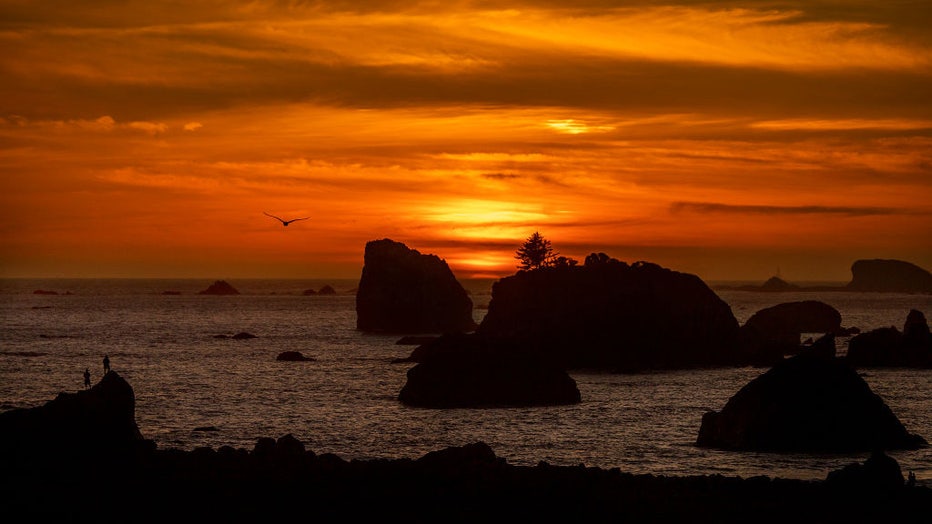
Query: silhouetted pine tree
{"type": "Point", "coordinates": [536, 252]}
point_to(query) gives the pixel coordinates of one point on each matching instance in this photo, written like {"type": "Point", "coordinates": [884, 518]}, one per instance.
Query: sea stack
{"type": "Point", "coordinates": [467, 371]}
{"type": "Point", "coordinates": [809, 403]}
{"type": "Point", "coordinates": [894, 276]}
{"type": "Point", "coordinates": [888, 347]}
{"type": "Point", "coordinates": [613, 316]}
{"type": "Point", "coordinates": [404, 291]}
{"type": "Point", "coordinates": [775, 331]}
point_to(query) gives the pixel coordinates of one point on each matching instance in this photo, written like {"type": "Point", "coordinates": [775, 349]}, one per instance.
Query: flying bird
{"type": "Point", "coordinates": [283, 221]}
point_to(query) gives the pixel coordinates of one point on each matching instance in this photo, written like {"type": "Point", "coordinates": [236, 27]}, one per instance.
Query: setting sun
{"type": "Point", "coordinates": [142, 141]}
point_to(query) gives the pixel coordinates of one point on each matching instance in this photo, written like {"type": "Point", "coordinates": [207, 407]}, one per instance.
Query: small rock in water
{"type": "Point", "coordinates": [293, 356]}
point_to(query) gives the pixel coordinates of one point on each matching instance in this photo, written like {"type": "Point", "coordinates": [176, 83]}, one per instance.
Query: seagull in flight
{"type": "Point", "coordinates": [283, 221]}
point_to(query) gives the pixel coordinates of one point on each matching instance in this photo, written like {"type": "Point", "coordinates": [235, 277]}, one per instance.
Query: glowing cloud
{"type": "Point", "coordinates": [575, 127]}
{"type": "Point", "coordinates": [690, 134]}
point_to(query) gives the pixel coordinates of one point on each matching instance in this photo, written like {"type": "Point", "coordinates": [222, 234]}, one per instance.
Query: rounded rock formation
{"type": "Point", "coordinates": [889, 275]}
{"type": "Point", "coordinates": [464, 370]}
{"type": "Point", "coordinates": [609, 315]}
{"type": "Point", "coordinates": [775, 331]}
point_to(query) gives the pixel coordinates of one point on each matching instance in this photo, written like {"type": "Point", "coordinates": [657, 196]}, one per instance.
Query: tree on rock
{"type": "Point", "coordinates": [536, 252]}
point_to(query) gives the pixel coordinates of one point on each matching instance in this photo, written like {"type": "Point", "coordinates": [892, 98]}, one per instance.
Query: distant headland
{"type": "Point", "coordinates": [874, 275]}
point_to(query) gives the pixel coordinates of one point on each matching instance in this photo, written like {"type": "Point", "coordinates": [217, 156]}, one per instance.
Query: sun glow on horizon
{"type": "Point", "coordinates": [484, 219]}
{"type": "Point", "coordinates": [710, 137]}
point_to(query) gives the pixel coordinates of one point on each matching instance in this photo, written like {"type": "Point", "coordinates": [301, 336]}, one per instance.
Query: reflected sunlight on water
{"type": "Point", "coordinates": [345, 401]}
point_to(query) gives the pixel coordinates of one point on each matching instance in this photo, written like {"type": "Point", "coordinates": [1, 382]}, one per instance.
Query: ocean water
{"type": "Point", "coordinates": [345, 402]}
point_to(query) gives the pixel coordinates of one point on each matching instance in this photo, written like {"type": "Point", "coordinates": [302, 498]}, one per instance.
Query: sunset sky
{"type": "Point", "coordinates": [143, 138]}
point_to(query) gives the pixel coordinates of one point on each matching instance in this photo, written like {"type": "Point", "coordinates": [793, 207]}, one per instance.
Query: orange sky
{"type": "Point", "coordinates": [726, 139]}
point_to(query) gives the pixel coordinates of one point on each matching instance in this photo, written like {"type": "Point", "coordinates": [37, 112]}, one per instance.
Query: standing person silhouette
{"type": "Point", "coordinates": [87, 378]}
{"type": "Point", "coordinates": [106, 364]}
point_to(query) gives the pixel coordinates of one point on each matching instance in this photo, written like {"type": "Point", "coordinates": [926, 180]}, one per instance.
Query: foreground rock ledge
{"type": "Point", "coordinates": [279, 480]}
{"type": "Point", "coordinates": [57, 468]}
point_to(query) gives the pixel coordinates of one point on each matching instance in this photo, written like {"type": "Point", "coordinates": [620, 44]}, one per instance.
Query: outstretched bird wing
{"type": "Point", "coordinates": [296, 219]}
{"type": "Point", "coordinates": [273, 216]}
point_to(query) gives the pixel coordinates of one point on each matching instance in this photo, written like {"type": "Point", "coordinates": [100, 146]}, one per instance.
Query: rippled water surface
{"type": "Point", "coordinates": [185, 378]}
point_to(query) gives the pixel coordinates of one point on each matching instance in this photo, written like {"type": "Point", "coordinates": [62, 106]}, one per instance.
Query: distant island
{"type": "Point", "coordinates": [875, 275]}
{"type": "Point", "coordinates": [220, 287]}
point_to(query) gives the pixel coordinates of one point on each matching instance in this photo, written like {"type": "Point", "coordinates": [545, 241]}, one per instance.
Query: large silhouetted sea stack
{"type": "Point", "coordinates": [806, 403]}
{"type": "Point", "coordinates": [614, 316]}
{"type": "Point", "coordinates": [465, 370]}
{"type": "Point", "coordinates": [100, 418]}
{"type": "Point", "coordinates": [889, 275]}
{"type": "Point", "coordinates": [888, 347]}
{"type": "Point", "coordinates": [403, 291]}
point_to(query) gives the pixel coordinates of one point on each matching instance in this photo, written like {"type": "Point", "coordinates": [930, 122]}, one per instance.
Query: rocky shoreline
{"type": "Point", "coordinates": [81, 458]}
{"type": "Point", "coordinates": [280, 480]}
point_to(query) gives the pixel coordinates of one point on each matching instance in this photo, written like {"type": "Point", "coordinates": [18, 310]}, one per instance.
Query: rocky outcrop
{"type": "Point", "coordinates": [219, 287]}
{"type": "Point", "coordinates": [806, 403]}
{"type": "Point", "coordinates": [293, 356]}
{"type": "Point", "coordinates": [889, 275]}
{"type": "Point", "coordinates": [466, 370]}
{"type": "Point", "coordinates": [100, 418]}
{"type": "Point", "coordinates": [415, 340]}
{"type": "Point", "coordinates": [327, 289]}
{"type": "Point", "coordinates": [242, 335]}
{"type": "Point", "coordinates": [773, 332]}
{"type": "Point", "coordinates": [888, 347]}
{"type": "Point", "coordinates": [613, 316]}
{"type": "Point", "coordinates": [404, 291]}
{"type": "Point", "coordinates": [879, 473]}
